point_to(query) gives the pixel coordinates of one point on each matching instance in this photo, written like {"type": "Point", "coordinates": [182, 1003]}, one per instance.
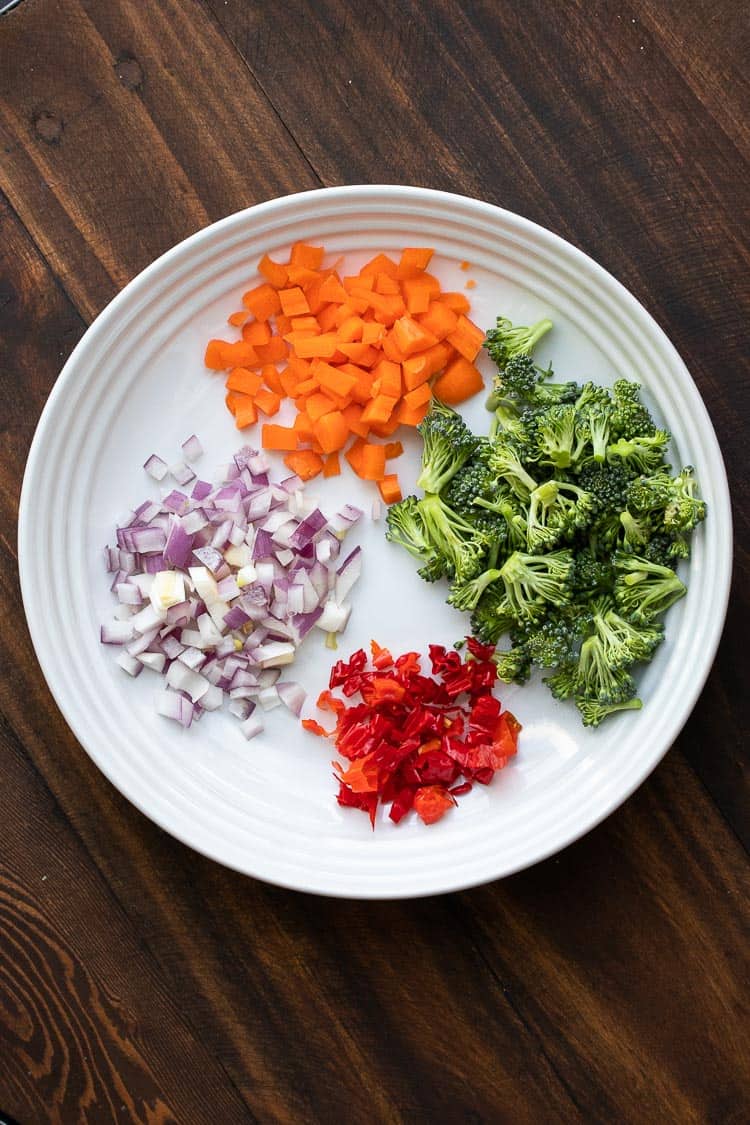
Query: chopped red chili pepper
{"type": "Point", "coordinates": [410, 740]}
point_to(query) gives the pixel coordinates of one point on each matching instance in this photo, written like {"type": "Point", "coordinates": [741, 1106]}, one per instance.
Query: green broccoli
{"type": "Point", "coordinates": [506, 507]}
{"type": "Point", "coordinates": [465, 595]}
{"type": "Point", "coordinates": [629, 416]}
{"type": "Point", "coordinates": [684, 509]}
{"type": "Point", "coordinates": [553, 641]}
{"type": "Point", "coordinates": [452, 537]}
{"type": "Point", "coordinates": [557, 436]}
{"type": "Point", "coordinates": [492, 617]}
{"type": "Point", "coordinates": [533, 580]}
{"type": "Point", "coordinates": [505, 462]}
{"type": "Point", "coordinates": [641, 454]}
{"type": "Point", "coordinates": [513, 665]}
{"type": "Point", "coordinates": [448, 443]}
{"type": "Point", "coordinates": [597, 678]}
{"type": "Point", "coordinates": [593, 712]}
{"type": "Point", "coordinates": [644, 589]}
{"type": "Point", "coordinates": [506, 341]}
{"type": "Point", "coordinates": [405, 527]}
{"type": "Point", "coordinates": [623, 642]}
{"type": "Point", "coordinates": [594, 427]}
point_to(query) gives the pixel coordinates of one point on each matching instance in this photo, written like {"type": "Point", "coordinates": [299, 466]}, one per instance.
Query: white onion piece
{"type": "Point", "coordinates": [153, 660]}
{"type": "Point", "coordinates": [292, 695]}
{"type": "Point", "coordinates": [156, 468]}
{"type": "Point", "coordinates": [174, 706]}
{"type": "Point", "coordinates": [334, 617]}
{"type": "Point", "coordinates": [251, 726]}
{"type": "Point", "coordinates": [192, 448]}
{"type": "Point", "coordinates": [118, 632]}
{"type": "Point", "coordinates": [182, 678]}
{"type": "Point", "coordinates": [129, 664]}
{"type": "Point", "coordinates": [268, 697]}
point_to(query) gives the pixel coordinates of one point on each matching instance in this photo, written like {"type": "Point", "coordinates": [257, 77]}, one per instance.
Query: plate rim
{"type": "Point", "coordinates": [265, 208]}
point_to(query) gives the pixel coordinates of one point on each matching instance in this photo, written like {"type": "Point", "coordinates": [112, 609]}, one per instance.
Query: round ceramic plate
{"type": "Point", "coordinates": [136, 385]}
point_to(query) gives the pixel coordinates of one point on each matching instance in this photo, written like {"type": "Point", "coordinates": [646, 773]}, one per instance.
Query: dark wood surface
{"type": "Point", "coordinates": [140, 982]}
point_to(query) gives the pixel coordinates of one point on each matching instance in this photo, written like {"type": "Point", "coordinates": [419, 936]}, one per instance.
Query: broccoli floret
{"type": "Point", "coordinates": [685, 509]}
{"type": "Point", "coordinates": [448, 443]}
{"type": "Point", "coordinates": [513, 665]}
{"type": "Point", "coordinates": [492, 616]}
{"type": "Point", "coordinates": [635, 532]}
{"type": "Point", "coordinates": [597, 678]}
{"type": "Point", "coordinates": [606, 484]}
{"type": "Point", "coordinates": [650, 493]}
{"type": "Point", "coordinates": [553, 641]}
{"type": "Point", "coordinates": [641, 454]}
{"type": "Point", "coordinates": [506, 341]}
{"type": "Point", "coordinates": [644, 589]}
{"type": "Point", "coordinates": [557, 436]}
{"type": "Point", "coordinates": [562, 683]}
{"type": "Point", "coordinates": [557, 509]}
{"type": "Point", "coordinates": [629, 416]}
{"type": "Point", "coordinates": [533, 580]}
{"type": "Point", "coordinates": [474, 478]}
{"type": "Point", "coordinates": [505, 462]}
{"type": "Point", "coordinates": [405, 527]}
{"type": "Point", "coordinates": [592, 574]}
{"type": "Point", "coordinates": [506, 507]}
{"type": "Point", "coordinates": [658, 549]}
{"type": "Point", "coordinates": [594, 428]}
{"type": "Point", "coordinates": [625, 642]}
{"type": "Point", "coordinates": [465, 595]}
{"type": "Point", "coordinates": [433, 569]}
{"type": "Point", "coordinates": [592, 394]}
{"type": "Point", "coordinates": [554, 394]}
{"type": "Point", "coordinates": [452, 537]}
{"type": "Point", "coordinates": [593, 712]}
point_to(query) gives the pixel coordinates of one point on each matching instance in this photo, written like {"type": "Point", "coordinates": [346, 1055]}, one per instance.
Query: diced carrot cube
{"type": "Point", "coordinates": [353, 415]}
{"type": "Point", "coordinates": [459, 381]}
{"type": "Point", "coordinates": [350, 330]}
{"type": "Point", "coordinates": [413, 261]}
{"type": "Point", "coordinates": [279, 437]}
{"type": "Point", "coordinates": [439, 319]}
{"type": "Point", "coordinates": [273, 272]}
{"type": "Point", "coordinates": [380, 264]}
{"type": "Point", "coordinates": [419, 395]}
{"type": "Point", "coordinates": [332, 465]}
{"type": "Point", "coordinates": [256, 332]}
{"type": "Point", "coordinates": [293, 301]}
{"type": "Point", "coordinates": [388, 375]}
{"type": "Point", "coordinates": [305, 255]}
{"type": "Point", "coordinates": [387, 285]}
{"type": "Point", "coordinates": [263, 301]}
{"type": "Point", "coordinates": [410, 336]}
{"type": "Point", "coordinates": [303, 425]}
{"type": "Point", "coordinates": [379, 409]}
{"type": "Point", "coordinates": [319, 404]}
{"type": "Point", "coordinates": [235, 401]}
{"type": "Point", "coordinates": [305, 463]}
{"type": "Point", "coordinates": [334, 379]}
{"type": "Point", "coordinates": [244, 381]}
{"type": "Point", "coordinates": [332, 289]}
{"type": "Point", "coordinates": [467, 338]}
{"type": "Point", "coordinates": [245, 414]}
{"type": "Point", "coordinates": [373, 333]}
{"type": "Point", "coordinates": [314, 347]}
{"type": "Point", "coordinates": [237, 319]}
{"type": "Point", "coordinates": [456, 301]}
{"type": "Point", "coordinates": [390, 489]}
{"type": "Point", "coordinates": [372, 461]}
{"type": "Point", "coordinates": [272, 380]}
{"type": "Point", "coordinates": [393, 449]}
{"type": "Point", "coordinates": [331, 431]}
{"type": "Point", "coordinates": [268, 402]}
{"type": "Point", "coordinates": [419, 291]}
{"type": "Point", "coordinates": [272, 352]}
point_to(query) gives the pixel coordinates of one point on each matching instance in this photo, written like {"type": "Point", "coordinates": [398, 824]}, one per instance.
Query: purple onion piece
{"type": "Point", "coordinates": [292, 695]}
{"type": "Point", "coordinates": [155, 467]}
{"type": "Point", "coordinates": [192, 448]}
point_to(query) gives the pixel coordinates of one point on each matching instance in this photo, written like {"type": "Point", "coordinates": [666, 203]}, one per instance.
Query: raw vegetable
{"type": "Point", "coordinates": [359, 356]}
{"type": "Point", "coordinates": [560, 529]}
{"type": "Point", "coordinates": [410, 738]}
{"type": "Point", "coordinates": [218, 587]}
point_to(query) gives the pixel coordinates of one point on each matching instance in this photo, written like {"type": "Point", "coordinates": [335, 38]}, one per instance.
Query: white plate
{"type": "Point", "coordinates": [136, 384]}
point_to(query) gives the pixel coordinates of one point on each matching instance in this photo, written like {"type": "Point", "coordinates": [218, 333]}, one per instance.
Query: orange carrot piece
{"type": "Point", "coordinates": [244, 381]}
{"type": "Point", "coordinates": [332, 465]}
{"type": "Point", "coordinates": [410, 336]}
{"type": "Point", "coordinates": [438, 357]}
{"type": "Point", "coordinates": [319, 404]}
{"type": "Point", "coordinates": [256, 332]}
{"type": "Point", "coordinates": [306, 386]}
{"type": "Point", "coordinates": [466, 338]}
{"type": "Point", "coordinates": [303, 425]}
{"type": "Point", "coordinates": [279, 437]}
{"type": "Point", "coordinates": [372, 461]}
{"type": "Point", "coordinates": [420, 394]}
{"type": "Point", "coordinates": [387, 376]}
{"type": "Point", "coordinates": [439, 320]}
{"type": "Point", "coordinates": [390, 489]}
{"type": "Point", "coordinates": [271, 378]}
{"type": "Point", "coordinates": [362, 390]}
{"type": "Point", "coordinates": [288, 381]}
{"type": "Point", "coordinates": [413, 261]}
{"type": "Point", "coordinates": [246, 414]}
{"type": "Point", "coordinates": [303, 277]}
{"type": "Point", "coordinates": [273, 272]}
{"type": "Point", "coordinates": [380, 264]}
{"type": "Point", "coordinates": [455, 301]}
{"type": "Point", "coordinates": [372, 333]}
{"type": "Point", "coordinates": [359, 352]}
{"type": "Point", "coordinates": [331, 431]}
{"type": "Point", "coordinates": [321, 346]}
{"type": "Point", "coordinates": [235, 400]}
{"type": "Point", "coordinates": [305, 324]}
{"type": "Point", "coordinates": [237, 319]}
{"type": "Point", "coordinates": [465, 265]}
{"type": "Point", "coordinates": [240, 354]}
{"type": "Point", "coordinates": [419, 291]}
{"type": "Point", "coordinates": [293, 301]}
{"type": "Point", "coordinates": [214, 356]}
{"type": "Point", "coordinates": [353, 415]}
{"type": "Point", "coordinates": [470, 284]}
{"type": "Point", "coordinates": [459, 381]}
{"type": "Point", "coordinates": [354, 454]}
{"type": "Point", "coordinates": [283, 324]}
{"type": "Point", "coordinates": [328, 317]}
{"type": "Point", "coordinates": [308, 256]}
{"type": "Point", "coordinates": [334, 379]}
{"type": "Point", "coordinates": [273, 352]}
{"type": "Point", "coordinates": [387, 285]}
{"type": "Point", "coordinates": [332, 289]}
{"type": "Point", "coordinates": [299, 367]}
{"type": "Point", "coordinates": [305, 463]}
{"type": "Point", "coordinates": [408, 416]}
{"type": "Point", "coordinates": [415, 371]}
{"type": "Point", "coordinates": [393, 449]}
{"type": "Point", "coordinates": [268, 402]}
{"type": "Point", "coordinates": [386, 429]}
{"type": "Point", "coordinates": [379, 409]}
{"type": "Point", "coordinates": [312, 292]}
{"type": "Point", "coordinates": [350, 330]}
{"type": "Point", "coordinates": [263, 301]}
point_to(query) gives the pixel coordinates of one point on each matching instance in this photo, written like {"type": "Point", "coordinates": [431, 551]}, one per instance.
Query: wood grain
{"type": "Point", "coordinates": [141, 982]}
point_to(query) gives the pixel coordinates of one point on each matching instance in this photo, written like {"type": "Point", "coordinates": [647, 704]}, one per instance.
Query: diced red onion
{"type": "Point", "coordinates": [174, 501]}
{"type": "Point", "coordinates": [128, 593]}
{"type": "Point", "coordinates": [242, 708]}
{"type": "Point", "coordinates": [193, 657]}
{"type": "Point", "coordinates": [209, 557]}
{"type": "Point", "coordinates": [182, 473]}
{"type": "Point", "coordinates": [153, 660]}
{"type": "Point", "coordinates": [172, 705]}
{"type": "Point", "coordinates": [129, 664]}
{"type": "Point", "coordinates": [292, 695]}
{"type": "Point", "coordinates": [251, 726]}
{"type": "Point", "coordinates": [179, 545]}
{"type": "Point", "coordinates": [117, 632]}
{"type": "Point", "coordinates": [172, 647]}
{"type": "Point", "coordinates": [347, 574]}
{"type": "Point", "coordinates": [155, 467]}
{"type": "Point", "coordinates": [192, 448]}
{"type": "Point", "coordinates": [201, 489]}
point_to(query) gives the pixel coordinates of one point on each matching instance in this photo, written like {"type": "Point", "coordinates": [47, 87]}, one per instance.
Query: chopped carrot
{"type": "Point", "coordinates": [305, 324]}
{"type": "Point", "coordinates": [247, 382]}
{"type": "Point", "coordinates": [321, 346]}
{"type": "Point", "coordinates": [455, 301]}
{"type": "Point", "coordinates": [350, 330]}
{"type": "Point", "coordinates": [331, 465]}
{"type": "Point", "coordinates": [333, 290]}
{"type": "Point", "coordinates": [465, 266]}
{"type": "Point", "coordinates": [272, 379]}
{"type": "Point", "coordinates": [413, 261]}
{"type": "Point", "coordinates": [410, 336]}
{"type": "Point", "coordinates": [256, 332]}
{"type": "Point", "coordinates": [390, 489]}
{"type": "Point", "coordinates": [308, 256]}
{"type": "Point", "coordinates": [372, 463]}
{"type": "Point", "coordinates": [279, 437]}
{"type": "Point", "coordinates": [305, 463]}
{"type": "Point", "coordinates": [272, 352]}
{"type": "Point", "coordinates": [419, 291]}
{"type": "Point", "coordinates": [333, 379]}
{"type": "Point", "coordinates": [303, 277]}
{"type": "Point", "coordinates": [372, 332]}
{"type": "Point", "coordinates": [263, 301]}
{"type": "Point", "coordinates": [470, 284]}
{"type": "Point", "coordinates": [380, 264]}
{"type": "Point", "coordinates": [438, 357]}
{"type": "Point", "coordinates": [236, 401]}
{"type": "Point", "coordinates": [466, 338]}
{"type": "Point", "coordinates": [354, 454]}
{"type": "Point", "coordinates": [385, 429]}
{"type": "Point", "coordinates": [246, 414]}
{"type": "Point", "coordinates": [387, 285]}
{"type": "Point", "coordinates": [459, 381]}
{"type": "Point", "coordinates": [328, 317]}
{"type": "Point", "coordinates": [331, 431]}
{"type": "Point", "coordinates": [420, 394]}
{"type": "Point", "coordinates": [410, 416]}
{"type": "Point", "coordinates": [268, 402]}
{"type": "Point", "coordinates": [293, 301]}
{"type": "Point", "coordinates": [304, 427]}
{"type": "Point", "coordinates": [393, 449]}
{"type": "Point", "coordinates": [237, 319]}
{"type": "Point", "coordinates": [415, 371]}
{"type": "Point", "coordinates": [387, 375]}
{"type": "Point", "coordinates": [273, 272]}
{"type": "Point", "coordinates": [306, 386]}
{"type": "Point", "coordinates": [439, 319]}
{"type": "Point", "coordinates": [353, 414]}
{"type": "Point", "coordinates": [379, 409]}
{"type": "Point", "coordinates": [319, 404]}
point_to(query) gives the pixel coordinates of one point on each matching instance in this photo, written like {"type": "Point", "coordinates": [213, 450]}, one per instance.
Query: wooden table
{"type": "Point", "coordinates": [140, 982]}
